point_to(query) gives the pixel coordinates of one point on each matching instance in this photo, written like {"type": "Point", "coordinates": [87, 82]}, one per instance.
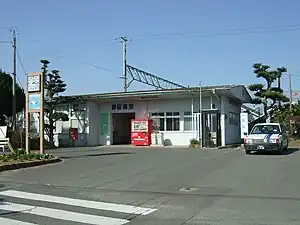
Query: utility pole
{"type": "Point", "coordinates": [291, 91]}
{"type": "Point", "coordinates": [14, 75]}
{"type": "Point", "coordinates": [279, 86]}
{"type": "Point", "coordinates": [124, 45]}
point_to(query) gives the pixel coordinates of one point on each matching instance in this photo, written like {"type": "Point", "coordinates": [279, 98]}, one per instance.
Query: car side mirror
{"type": "Point", "coordinates": [245, 133]}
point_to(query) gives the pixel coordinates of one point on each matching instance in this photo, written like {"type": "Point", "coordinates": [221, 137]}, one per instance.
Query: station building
{"type": "Point", "coordinates": [105, 119]}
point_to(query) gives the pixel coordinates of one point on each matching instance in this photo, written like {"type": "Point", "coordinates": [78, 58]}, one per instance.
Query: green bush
{"type": "Point", "coordinates": [21, 156]}
{"type": "Point", "coordinates": [194, 141]}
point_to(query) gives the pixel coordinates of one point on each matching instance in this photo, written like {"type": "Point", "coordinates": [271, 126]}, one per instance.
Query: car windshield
{"type": "Point", "coordinates": [265, 129]}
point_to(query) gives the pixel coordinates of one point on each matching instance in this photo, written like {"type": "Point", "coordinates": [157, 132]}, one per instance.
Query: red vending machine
{"type": "Point", "coordinates": [141, 132]}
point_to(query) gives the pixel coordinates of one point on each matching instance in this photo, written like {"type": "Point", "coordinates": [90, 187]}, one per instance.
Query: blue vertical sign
{"type": "Point", "coordinates": [34, 101]}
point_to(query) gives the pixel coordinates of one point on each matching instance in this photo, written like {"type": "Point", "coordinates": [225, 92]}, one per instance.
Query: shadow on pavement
{"type": "Point", "coordinates": [96, 155]}
{"type": "Point", "coordinates": [287, 152]}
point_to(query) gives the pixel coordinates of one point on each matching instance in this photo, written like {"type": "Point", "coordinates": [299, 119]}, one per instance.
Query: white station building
{"type": "Point", "coordinates": [105, 119]}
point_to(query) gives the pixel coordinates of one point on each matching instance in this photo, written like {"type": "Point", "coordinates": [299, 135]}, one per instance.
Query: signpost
{"type": "Point", "coordinates": [35, 104]}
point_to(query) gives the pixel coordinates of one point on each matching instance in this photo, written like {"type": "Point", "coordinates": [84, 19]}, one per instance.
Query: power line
{"type": "Point", "coordinates": [21, 63]}
{"type": "Point", "coordinates": [66, 56]}
{"type": "Point", "coordinates": [229, 32]}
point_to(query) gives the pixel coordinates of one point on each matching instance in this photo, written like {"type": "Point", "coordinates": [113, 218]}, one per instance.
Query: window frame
{"type": "Point", "coordinates": [172, 116]}
{"type": "Point", "coordinates": [188, 115]}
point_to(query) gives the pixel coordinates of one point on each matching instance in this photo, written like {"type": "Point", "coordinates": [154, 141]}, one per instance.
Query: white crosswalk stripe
{"type": "Point", "coordinates": [64, 214]}
{"type": "Point", "coordinates": [4, 221]}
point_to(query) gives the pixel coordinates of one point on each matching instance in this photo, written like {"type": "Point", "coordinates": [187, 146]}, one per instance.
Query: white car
{"type": "Point", "coordinates": [266, 137]}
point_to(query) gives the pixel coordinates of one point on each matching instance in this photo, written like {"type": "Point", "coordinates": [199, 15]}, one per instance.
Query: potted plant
{"type": "Point", "coordinates": [194, 143]}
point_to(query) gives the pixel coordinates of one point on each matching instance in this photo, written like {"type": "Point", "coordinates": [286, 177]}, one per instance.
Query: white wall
{"type": "Point", "coordinates": [90, 132]}
{"type": "Point", "coordinates": [232, 121]}
{"type": "Point", "coordinates": [93, 122]}
{"type": "Point", "coordinates": [142, 108]}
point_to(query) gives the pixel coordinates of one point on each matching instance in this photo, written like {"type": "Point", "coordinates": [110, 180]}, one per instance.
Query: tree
{"type": "Point", "coordinates": [54, 87]}
{"type": "Point", "coordinates": [290, 116]}
{"type": "Point", "coordinates": [6, 97]}
{"type": "Point", "coordinates": [267, 94]}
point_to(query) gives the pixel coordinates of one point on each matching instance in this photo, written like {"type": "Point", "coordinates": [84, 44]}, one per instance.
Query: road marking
{"type": "Point", "coordinates": [7, 221]}
{"type": "Point", "coordinates": [79, 202]}
{"type": "Point", "coordinates": [61, 214]}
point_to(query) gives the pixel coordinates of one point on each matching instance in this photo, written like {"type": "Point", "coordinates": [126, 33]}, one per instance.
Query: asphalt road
{"type": "Point", "coordinates": [111, 186]}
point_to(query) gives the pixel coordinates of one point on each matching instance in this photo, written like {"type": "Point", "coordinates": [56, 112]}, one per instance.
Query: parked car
{"type": "Point", "coordinates": [266, 137]}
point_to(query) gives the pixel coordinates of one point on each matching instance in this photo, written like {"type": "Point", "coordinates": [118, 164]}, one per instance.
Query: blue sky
{"type": "Point", "coordinates": [75, 34]}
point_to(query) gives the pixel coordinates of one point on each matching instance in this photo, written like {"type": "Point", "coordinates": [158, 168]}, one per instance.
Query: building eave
{"type": "Point", "coordinates": [159, 94]}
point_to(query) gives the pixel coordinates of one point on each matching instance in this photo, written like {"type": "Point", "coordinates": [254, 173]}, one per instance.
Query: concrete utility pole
{"type": "Point", "coordinates": [279, 86]}
{"type": "Point", "coordinates": [14, 75]}
{"type": "Point", "coordinates": [124, 45]}
{"type": "Point", "coordinates": [291, 91]}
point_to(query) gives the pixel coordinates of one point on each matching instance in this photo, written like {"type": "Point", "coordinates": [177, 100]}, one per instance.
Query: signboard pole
{"type": "Point", "coordinates": [27, 125]}
{"type": "Point", "coordinates": [42, 118]}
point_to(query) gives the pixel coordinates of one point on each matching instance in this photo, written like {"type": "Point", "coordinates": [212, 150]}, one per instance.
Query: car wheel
{"type": "Point", "coordinates": [248, 152]}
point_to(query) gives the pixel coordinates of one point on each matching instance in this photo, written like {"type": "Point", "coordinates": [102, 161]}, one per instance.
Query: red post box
{"type": "Point", "coordinates": [73, 135]}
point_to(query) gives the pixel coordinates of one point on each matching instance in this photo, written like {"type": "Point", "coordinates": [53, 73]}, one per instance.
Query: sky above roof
{"type": "Point", "coordinates": [186, 41]}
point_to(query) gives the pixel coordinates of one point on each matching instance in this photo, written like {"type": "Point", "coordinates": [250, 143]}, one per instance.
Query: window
{"type": "Point", "coordinates": [187, 121]}
{"type": "Point", "coordinates": [130, 106]}
{"type": "Point", "coordinates": [265, 129]}
{"type": "Point", "coordinates": [65, 125]}
{"type": "Point", "coordinates": [172, 121]}
{"type": "Point", "coordinates": [113, 107]}
{"type": "Point", "coordinates": [79, 124]}
{"type": "Point", "coordinates": [119, 106]}
{"type": "Point", "coordinates": [159, 119]}
{"type": "Point", "coordinates": [233, 118]}
{"type": "Point", "coordinates": [125, 106]}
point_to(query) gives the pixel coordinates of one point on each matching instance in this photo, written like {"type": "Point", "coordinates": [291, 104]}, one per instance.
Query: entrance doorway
{"type": "Point", "coordinates": [211, 128]}
{"type": "Point", "coordinates": [122, 128]}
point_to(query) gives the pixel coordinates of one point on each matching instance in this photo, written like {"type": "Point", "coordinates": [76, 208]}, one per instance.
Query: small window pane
{"type": "Point", "coordinates": [162, 124]}
{"type": "Point", "coordinates": [161, 114]}
{"type": "Point", "coordinates": [187, 124]}
{"type": "Point", "coordinates": [169, 124]}
{"type": "Point", "coordinates": [113, 107]}
{"type": "Point", "coordinates": [176, 125]}
{"type": "Point", "coordinates": [119, 106]}
{"type": "Point", "coordinates": [176, 114]}
{"type": "Point", "coordinates": [169, 114]}
{"type": "Point", "coordinates": [125, 106]}
{"type": "Point", "coordinates": [187, 113]}
{"type": "Point", "coordinates": [130, 106]}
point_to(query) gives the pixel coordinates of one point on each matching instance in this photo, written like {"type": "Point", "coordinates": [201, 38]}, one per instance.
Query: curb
{"type": "Point", "coordinates": [22, 165]}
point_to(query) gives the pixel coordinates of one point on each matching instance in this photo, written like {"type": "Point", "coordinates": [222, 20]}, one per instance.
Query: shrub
{"type": "Point", "coordinates": [194, 141]}
{"type": "Point", "coordinates": [19, 155]}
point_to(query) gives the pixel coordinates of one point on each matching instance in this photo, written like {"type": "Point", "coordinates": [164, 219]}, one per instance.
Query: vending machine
{"type": "Point", "coordinates": [141, 132]}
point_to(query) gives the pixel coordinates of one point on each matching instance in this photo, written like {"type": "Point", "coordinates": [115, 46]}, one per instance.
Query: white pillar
{"type": "Point", "coordinates": [223, 122]}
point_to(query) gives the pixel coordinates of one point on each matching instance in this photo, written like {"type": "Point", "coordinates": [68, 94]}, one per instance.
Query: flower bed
{"type": "Point", "coordinates": [20, 159]}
